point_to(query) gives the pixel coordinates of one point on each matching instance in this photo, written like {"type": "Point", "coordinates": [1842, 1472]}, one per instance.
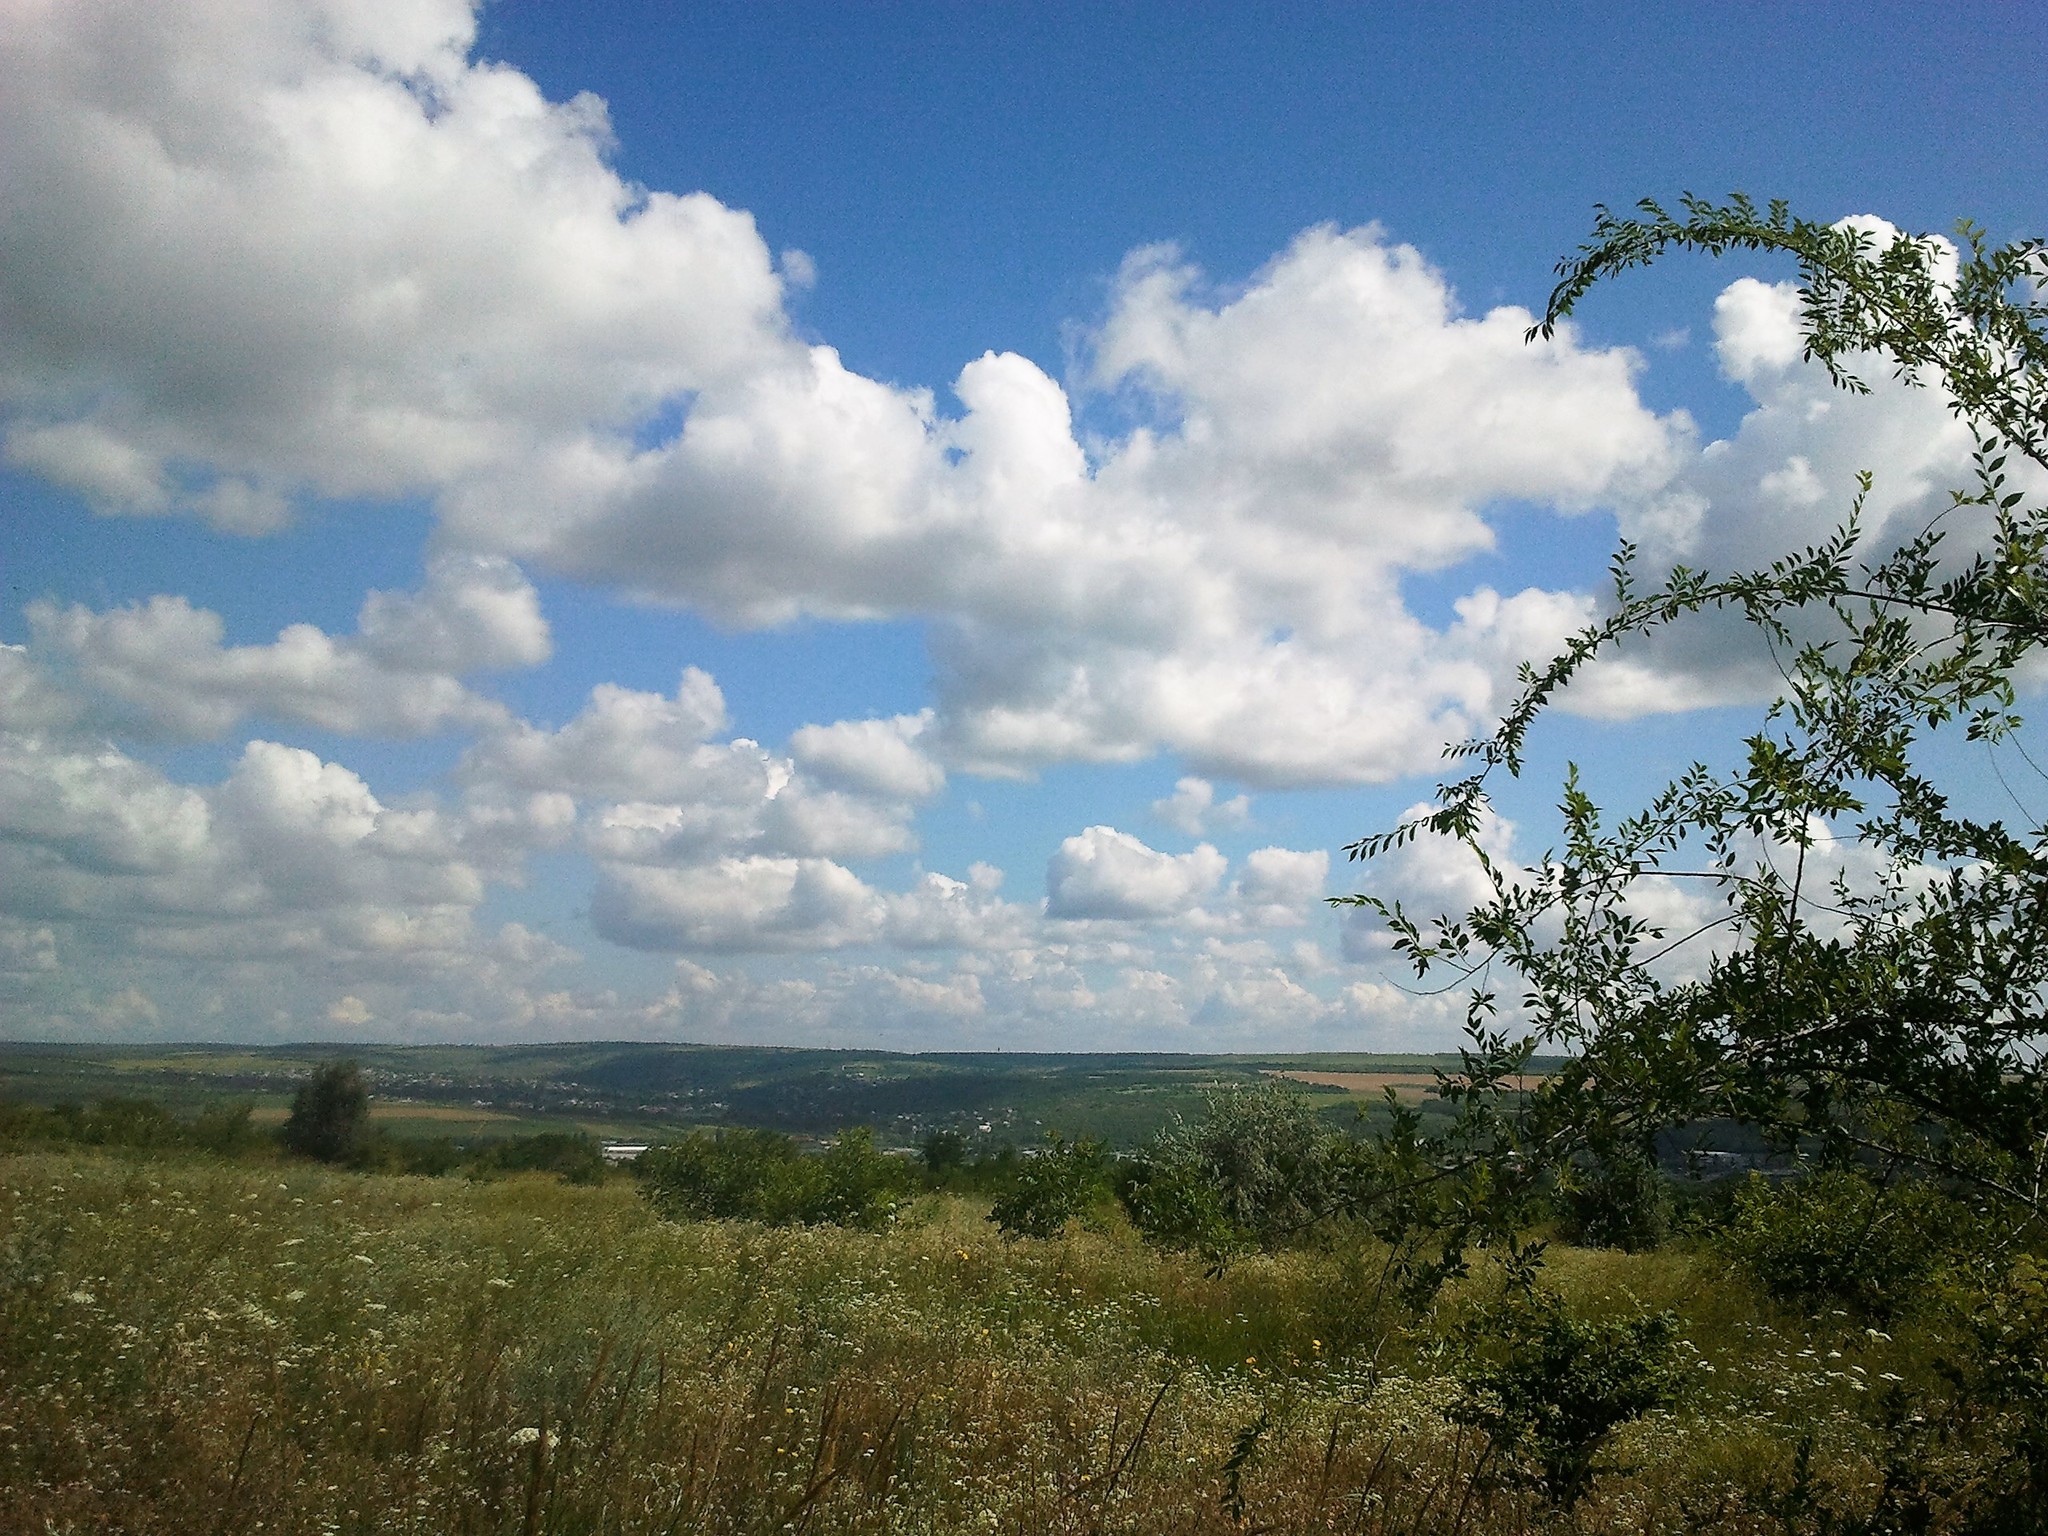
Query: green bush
{"type": "Point", "coordinates": [572, 1154]}
{"type": "Point", "coordinates": [1619, 1201]}
{"type": "Point", "coordinates": [1257, 1171]}
{"type": "Point", "coordinates": [1549, 1389]}
{"type": "Point", "coordinates": [1836, 1239]}
{"type": "Point", "coordinates": [137, 1124]}
{"type": "Point", "coordinates": [943, 1153]}
{"type": "Point", "coordinates": [1052, 1187]}
{"type": "Point", "coordinates": [764, 1176]}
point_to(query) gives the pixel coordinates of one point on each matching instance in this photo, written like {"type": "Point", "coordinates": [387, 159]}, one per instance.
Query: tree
{"type": "Point", "coordinates": [330, 1118]}
{"type": "Point", "coordinates": [1898, 1022]}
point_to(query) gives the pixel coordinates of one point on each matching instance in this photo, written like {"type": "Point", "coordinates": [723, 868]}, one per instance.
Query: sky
{"type": "Point", "coordinates": [923, 526]}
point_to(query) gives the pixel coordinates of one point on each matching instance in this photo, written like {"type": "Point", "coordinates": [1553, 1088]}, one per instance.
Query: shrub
{"type": "Point", "coordinates": [943, 1153]}
{"type": "Point", "coordinates": [137, 1124]}
{"type": "Point", "coordinates": [330, 1118]}
{"type": "Point", "coordinates": [764, 1176]}
{"type": "Point", "coordinates": [1549, 1389]}
{"type": "Point", "coordinates": [1051, 1188]}
{"type": "Point", "coordinates": [1619, 1201]}
{"type": "Point", "coordinates": [572, 1154]}
{"type": "Point", "coordinates": [1257, 1171]}
{"type": "Point", "coordinates": [1836, 1239]}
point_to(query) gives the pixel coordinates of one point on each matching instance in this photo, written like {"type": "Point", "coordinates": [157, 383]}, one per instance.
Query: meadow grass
{"type": "Point", "coordinates": [193, 1345]}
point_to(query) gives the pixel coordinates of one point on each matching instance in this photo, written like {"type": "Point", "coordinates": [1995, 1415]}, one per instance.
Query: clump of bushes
{"type": "Point", "coordinates": [1258, 1171]}
{"type": "Point", "coordinates": [1619, 1200]}
{"type": "Point", "coordinates": [1052, 1187]}
{"type": "Point", "coordinates": [1835, 1239]}
{"type": "Point", "coordinates": [136, 1124]}
{"type": "Point", "coordinates": [765, 1176]}
{"type": "Point", "coordinates": [572, 1154]}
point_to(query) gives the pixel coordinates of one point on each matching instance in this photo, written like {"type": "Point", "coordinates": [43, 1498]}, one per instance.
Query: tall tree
{"type": "Point", "coordinates": [330, 1118]}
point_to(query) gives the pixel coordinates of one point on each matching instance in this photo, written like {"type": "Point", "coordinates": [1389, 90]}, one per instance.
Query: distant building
{"type": "Point", "coordinates": [616, 1152]}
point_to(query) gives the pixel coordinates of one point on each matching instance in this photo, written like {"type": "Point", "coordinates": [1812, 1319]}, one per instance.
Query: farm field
{"type": "Point", "coordinates": [189, 1344]}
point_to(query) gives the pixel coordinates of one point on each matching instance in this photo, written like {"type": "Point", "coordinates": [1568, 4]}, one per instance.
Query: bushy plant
{"type": "Point", "coordinates": [1256, 1171]}
{"type": "Point", "coordinates": [1836, 1239]}
{"type": "Point", "coordinates": [943, 1153]}
{"type": "Point", "coordinates": [1052, 1187]}
{"type": "Point", "coordinates": [1549, 1388]}
{"type": "Point", "coordinates": [1620, 1200]}
{"type": "Point", "coordinates": [330, 1118]}
{"type": "Point", "coordinates": [572, 1154]}
{"type": "Point", "coordinates": [136, 1124]}
{"type": "Point", "coordinates": [765, 1176]}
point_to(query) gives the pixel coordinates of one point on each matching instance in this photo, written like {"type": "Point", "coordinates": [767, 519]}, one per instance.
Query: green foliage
{"type": "Point", "coordinates": [572, 1154]}
{"type": "Point", "coordinates": [1549, 1388]}
{"type": "Point", "coordinates": [943, 1153]}
{"type": "Point", "coordinates": [330, 1118]}
{"type": "Point", "coordinates": [1257, 1171]}
{"type": "Point", "coordinates": [1835, 1239]}
{"type": "Point", "coordinates": [1901, 1018]}
{"type": "Point", "coordinates": [1619, 1200]}
{"type": "Point", "coordinates": [1058, 1183]}
{"type": "Point", "coordinates": [136, 1124]}
{"type": "Point", "coordinates": [764, 1176]}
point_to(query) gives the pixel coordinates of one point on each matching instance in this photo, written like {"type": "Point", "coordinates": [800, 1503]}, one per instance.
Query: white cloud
{"type": "Point", "coordinates": [873, 757]}
{"type": "Point", "coordinates": [1193, 807]}
{"type": "Point", "coordinates": [254, 249]}
{"type": "Point", "coordinates": [1104, 873]}
{"type": "Point", "coordinates": [1279, 886]}
{"type": "Point", "coordinates": [752, 903]}
{"type": "Point", "coordinates": [161, 668]}
{"type": "Point", "coordinates": [316, 270]}
{"type": "Point", "coordinates": [1428, 876]}
{"type": "Point", "coordinates": [630, 745]}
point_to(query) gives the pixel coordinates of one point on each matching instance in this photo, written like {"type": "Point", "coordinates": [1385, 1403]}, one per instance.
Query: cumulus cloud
{"type": "Point", "coordinates": [875, 757]}
{"type": "Point", "coordinates": [262, 252]}
{"type": "Point", "coordinates": [160, 667]}
{"type": "Point", "coordinates": [1104, 873]}
{"type": "Point", "coordinates": [1193, 807]}
{"type": "Point", "coordinates": [1427, 876]}
{"type": "Point", "coordinates": [258, 249]}
{"type": "Point", "coordinates": [1279, 886]}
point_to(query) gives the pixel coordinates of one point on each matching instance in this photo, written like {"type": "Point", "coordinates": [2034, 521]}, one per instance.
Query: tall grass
{"type": "Point", "coordinates": [195, 1346]}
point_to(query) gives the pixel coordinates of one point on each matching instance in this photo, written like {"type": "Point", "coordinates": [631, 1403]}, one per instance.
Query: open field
{"type": "Point", "coordinates": [191, 1345]}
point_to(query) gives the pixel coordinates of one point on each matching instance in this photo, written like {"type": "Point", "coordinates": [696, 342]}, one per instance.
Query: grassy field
{"type": "Point", "coordinates": [195, 1345]}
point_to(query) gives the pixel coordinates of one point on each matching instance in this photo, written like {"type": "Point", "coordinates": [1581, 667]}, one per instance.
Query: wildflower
{"type": "Point", "coordinates": [526, 1435]}
{"type": "Point", "coordinates": [81, 1297]}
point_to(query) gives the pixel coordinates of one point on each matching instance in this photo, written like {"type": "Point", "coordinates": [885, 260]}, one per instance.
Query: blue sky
{"type": "Point", "coordinates": [923, 525]}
